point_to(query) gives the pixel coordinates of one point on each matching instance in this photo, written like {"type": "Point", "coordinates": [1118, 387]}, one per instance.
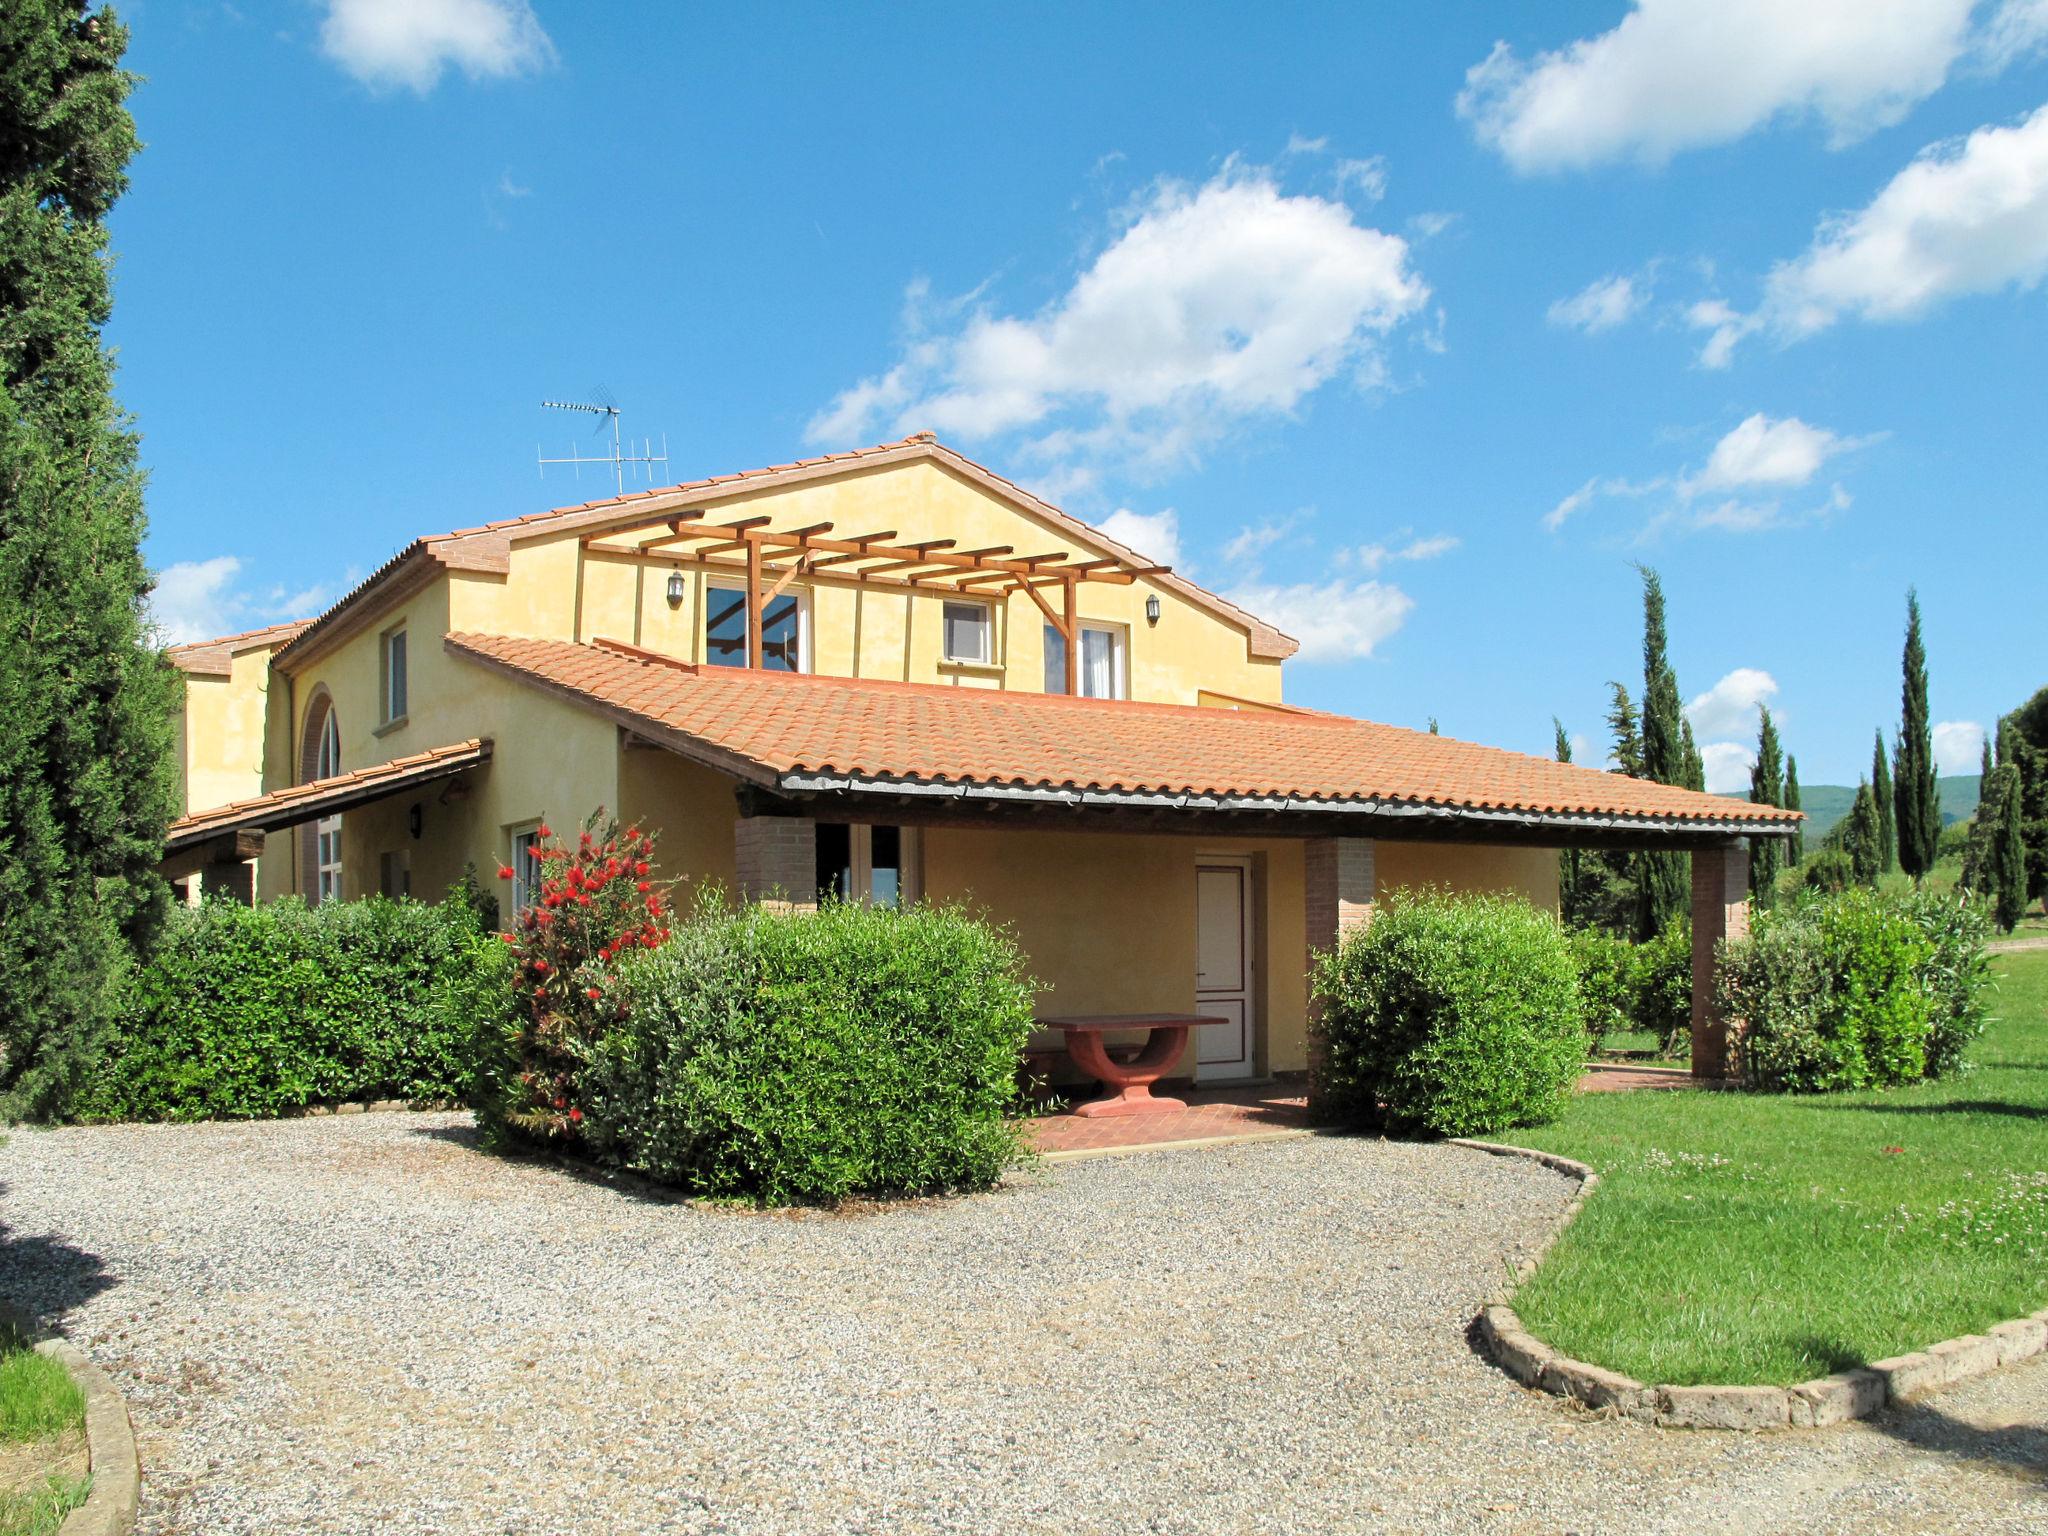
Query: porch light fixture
{"type": "Point", "coordinates": [1152, 608]}
{"type": "Point", "coordinates": [675, 589]}
{"type": "Point", "coordinates": [415, 819]}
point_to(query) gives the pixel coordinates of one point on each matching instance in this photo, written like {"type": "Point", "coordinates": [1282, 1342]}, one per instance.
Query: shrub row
{"type": "Point", "coordinates": [1450, 1015]}
{"type": "Point", "coordinates": [1626, 986]}
{"type": "Point", "coordinates": [244, 1012]}
{"type": "Point", "coordinates": [1858, 990]}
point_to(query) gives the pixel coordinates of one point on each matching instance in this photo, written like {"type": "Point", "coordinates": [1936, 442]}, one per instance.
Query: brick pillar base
{"type": "Point", "coordinates": [1720, 910]}
{"type": "Point", "coordinates": [1337, 898]}
{"type": "Point", "coordinates": [777, 861]}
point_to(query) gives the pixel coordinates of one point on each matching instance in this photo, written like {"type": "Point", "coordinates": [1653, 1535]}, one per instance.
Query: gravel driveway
{"type": "Point", "coordinates": [362, 1324]}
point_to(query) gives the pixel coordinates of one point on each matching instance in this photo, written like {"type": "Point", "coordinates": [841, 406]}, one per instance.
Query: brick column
{"type": "Point", "coordinates": [1337, 897]}
{"type": "Point", "coordinates": [1720, 910]}
{"type": "Point", "coordinates": [777, 861]}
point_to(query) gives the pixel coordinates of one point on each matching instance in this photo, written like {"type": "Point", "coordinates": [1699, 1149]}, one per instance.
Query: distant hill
{"type": "Point", "coordinates": [1826, 804]}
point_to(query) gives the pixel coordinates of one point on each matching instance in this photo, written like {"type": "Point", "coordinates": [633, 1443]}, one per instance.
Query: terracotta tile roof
{"type": "Point", "coordinates": [487, 545]}
{"type": "Point", "coordinates": [214, 657]}
{"type": "Point", "coordinates": [323, 797]}
{"type": "Point", "coordinates": [770, 727]}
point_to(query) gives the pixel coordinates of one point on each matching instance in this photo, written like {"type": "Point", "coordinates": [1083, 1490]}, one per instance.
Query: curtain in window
{"type": "Point", "coordinates": [1098, 664]}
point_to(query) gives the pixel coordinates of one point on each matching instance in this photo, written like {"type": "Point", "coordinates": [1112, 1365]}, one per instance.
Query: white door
{"type": "Point", "coordinates": [1223, 968]}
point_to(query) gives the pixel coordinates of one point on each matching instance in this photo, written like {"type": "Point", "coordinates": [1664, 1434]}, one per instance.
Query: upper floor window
{"type": "Point", "coordinates": [968, 633]}
{"type": "Point", "coordinates": [327, 830]}
{"type": "Point", "coordinates": [394, 676]}
{"type": "Point", "coordinates": [1101, 673]}
{"type": "Point", "coordinates": [785, 626]}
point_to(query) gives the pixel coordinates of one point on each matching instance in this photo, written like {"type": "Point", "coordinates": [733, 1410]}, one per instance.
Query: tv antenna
{"type": "Point", "coordinates": [606, 409]}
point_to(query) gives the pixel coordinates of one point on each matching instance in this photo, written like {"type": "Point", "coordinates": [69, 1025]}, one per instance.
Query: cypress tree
{"type": "Point", "coordinates": [1913, 787]}
{"type": "Point", "coordinates": [1625, 727]}
{"type": "Point", "coordinates": [1881, 793]}
{"type": "Point", "coordinates": [2008, 845]}
{"type": "Point", "coordinates": [1984, 767]}
{"type": "Point", "coordinates": [1664, 890]}
{"type": "Point", "coordinates": [1860, 837]}
{"type": "Point", "coordinates": [1795, 850]}
{"type": "Point", "coordinates": [1766, 787]}
{"type": "Point", "coordinates": [86, 775]}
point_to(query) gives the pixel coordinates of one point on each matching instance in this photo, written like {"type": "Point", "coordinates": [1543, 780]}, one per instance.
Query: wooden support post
{"type": "Point", "coordinates": [753, 604]}
{"type": "Point", "coordinates": [1073, 633]}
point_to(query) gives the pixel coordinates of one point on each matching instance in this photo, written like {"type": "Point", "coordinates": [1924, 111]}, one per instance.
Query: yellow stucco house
{"type": "Point", "coordinates": [893, 674]}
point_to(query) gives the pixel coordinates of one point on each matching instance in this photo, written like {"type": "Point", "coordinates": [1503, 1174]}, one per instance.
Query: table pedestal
{"type": "Point", "coordinates": [1131, 1081]}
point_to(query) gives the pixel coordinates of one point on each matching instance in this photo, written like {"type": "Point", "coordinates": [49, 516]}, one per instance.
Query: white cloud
{"type": "Point", "coordinates": [1597, 487]}
{"type": "Point", "coordinates": [200, 599]}
{"type": "Point", "coordinates": [1214, 305]}
{"type": "Point", "coordinates": [1335, 620]}
{"type": "Point", "coordinates": [1249, 542]}
{"type": "Point", "coordinates": [1367, 177]}
{"type": "Point", "coordinates": [1729, 708]}
{"type": "Point", "coordinates": [1429, 548]}
{"type": "Point", "coordinates": [1600, 305]}
{"type": "Point", "coordinates": [1155, 535]}
{"type": "Point", "coordinates": [1761, 452]}
{"type": "Point", "coordinates": [1728, 764]}
{"type": "Point", "coordinates": [1674, 75]}
{"type": "Point", "coordinates": [409, 43]}
{"type": "Point", "coordinates": [1556, 517]}
{"type": "Point", "coordinates": [1958, 746]}
{"type": "Point", "coordinates": [2014, 30]}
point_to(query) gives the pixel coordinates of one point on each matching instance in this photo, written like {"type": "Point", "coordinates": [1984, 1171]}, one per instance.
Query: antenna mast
{"type": "Point", "coordinates": [606, 410]}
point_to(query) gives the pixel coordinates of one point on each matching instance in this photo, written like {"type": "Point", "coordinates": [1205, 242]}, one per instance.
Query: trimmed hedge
{"type": "Point", "coordinates": [1858, 990]}
{"type": "Point", "coordinates": [808, 1057]}
{"type": "Point", "coordinates": [1451, 1015]}
{"type": "Point", "coordinates": [245, 1012]}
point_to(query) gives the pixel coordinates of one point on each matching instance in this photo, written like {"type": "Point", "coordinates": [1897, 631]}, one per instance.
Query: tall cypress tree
{"type": "Point", "coordinates": [86, 776]}
{"type": "Point", "coordinates": [1860, 837]}
{"type": "Point", "coordinates": [1984, 767]}
{"type": "Point", "coordinates": [2008, 882]}
{"type": "Point", "coordinates": [1795, 849]}
{"type": "Point", "coordinates": [1626, 727]}
{"type": "Point", "coordinates": [1766, 787]}
{"type": "Point", "coordinates": [1665, 883]}
{"type": "Point", "coordinates": [1571, 862]}
{"type": "Point", "coordinates": [1913, 787]}
{"type": "Point", "coordinates": [1881, 792]}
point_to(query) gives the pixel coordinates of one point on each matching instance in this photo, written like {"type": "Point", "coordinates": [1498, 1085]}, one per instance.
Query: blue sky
{"type": "Point", "coordinates": [1412, 326]}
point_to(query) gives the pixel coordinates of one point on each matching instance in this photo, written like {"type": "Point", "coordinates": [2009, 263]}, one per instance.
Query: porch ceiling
{"type": "Point", "coordinates": [298, 803]}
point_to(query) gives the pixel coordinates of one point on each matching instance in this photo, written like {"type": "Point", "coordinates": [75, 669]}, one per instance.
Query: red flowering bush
{"type": "Point", "coordinates": [594, 905]}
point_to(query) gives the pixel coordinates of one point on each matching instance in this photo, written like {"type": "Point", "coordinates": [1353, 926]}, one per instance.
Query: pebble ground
{"type": "Point", "coordinates": [362, 1324]}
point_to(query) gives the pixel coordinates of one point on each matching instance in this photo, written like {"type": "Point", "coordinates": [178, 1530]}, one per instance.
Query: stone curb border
{"type": "Point", "coordinates": [110, 1508]}
{"type": "Point", "coordinates": [1852, 1394]}
{"type": "Point", "coordinates": [116, 1495]}
{"type": "Point", "coordinates": [1084, 1154]}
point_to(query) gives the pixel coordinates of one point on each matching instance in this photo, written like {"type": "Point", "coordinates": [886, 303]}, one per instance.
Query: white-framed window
{"type": "Point", "coordinates": [967, 632]}
{"type": "Point", "coordinates": [327, 830]}
{"type": "Point", "coordinates": [785, 628]}
{"type": "Point", "coordinates": [1101, 673]}
{"type": "Point", "coordinates": [525, 862]}
{"type": "Point", "coordinates": [394, 676]}
{"type": "Point", "coordinates": [871, 864]}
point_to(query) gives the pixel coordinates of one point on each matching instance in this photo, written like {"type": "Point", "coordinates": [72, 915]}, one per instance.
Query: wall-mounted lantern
{"type": "Point", "coordinates": [675, 589]}
{"type": "Point", "coordinates": [1152, 608]}
{"type": "Point", "coordinates": [416, 819]}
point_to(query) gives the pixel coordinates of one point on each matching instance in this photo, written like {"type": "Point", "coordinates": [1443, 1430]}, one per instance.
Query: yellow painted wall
{"type": "Point", "coordinates": [221, 733]}
{"type": "Point", "coordinates": [550, 760]}
{"type": "Point", "coordinates": [1530, 873]}
{"type": "Point", "coordinates": [554, 591]}
{"type": "Point", "coordinates": [691, 810]}
{"type": "Point", "coordinates": [1107, 920]}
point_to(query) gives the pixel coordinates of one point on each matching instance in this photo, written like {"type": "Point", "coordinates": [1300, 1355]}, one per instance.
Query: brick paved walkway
{"type": "Point", "coordinates": [1245, 1114]}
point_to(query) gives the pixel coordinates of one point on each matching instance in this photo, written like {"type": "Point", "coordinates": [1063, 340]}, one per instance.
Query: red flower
{"type": "Point", "coordinates": [509, 938]}
{"type": "Point", "coordinates": [575, 1115]}
{"type": "Point", "coordinates": [640, 868]}
{"type": "Point", "coordinates": [561, 1103]}
{"type": "Point", "coordinates": [504, 871]}
{"type": "Point", "coordinates": [644, 887]}
{"type": "Point", "coordinates": [1894, 1151]}
{"type": "Point", "coordinates": [592, 993]}
{"type": "Point", "coordinates": [542, 830]}
{"type": "Point", "coordinates": [541, 966]}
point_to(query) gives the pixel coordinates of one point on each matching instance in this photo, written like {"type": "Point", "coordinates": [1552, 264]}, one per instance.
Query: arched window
{"type": "Point", "coordinates": [320, 848]}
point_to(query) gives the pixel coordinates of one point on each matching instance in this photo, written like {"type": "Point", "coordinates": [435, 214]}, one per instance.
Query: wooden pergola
{"type": "Point", "coordinates": [768, 559]}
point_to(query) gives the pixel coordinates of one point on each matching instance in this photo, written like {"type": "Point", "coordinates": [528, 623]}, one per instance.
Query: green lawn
{"type": "Point", "coordinates": [1751, 1238]}
{"type": "Point", "coordinates": [42, 1416]}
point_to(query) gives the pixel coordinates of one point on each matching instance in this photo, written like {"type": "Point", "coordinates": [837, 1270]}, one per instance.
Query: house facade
{"type": "Point", "coordinates": [887, 674]}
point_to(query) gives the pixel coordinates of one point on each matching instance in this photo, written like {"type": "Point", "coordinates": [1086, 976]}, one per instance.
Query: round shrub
{"type": "Point", "coordinates": [1661, 991]}
{"type": "Point", "coordinates": [1857, 990]}
{"type": "Point", "coordinates": [1606, 971]}
{"type": "Point", "coordinates": [1453, 1015]}
{"type": "Point", "coordinates": [799, 1057]}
